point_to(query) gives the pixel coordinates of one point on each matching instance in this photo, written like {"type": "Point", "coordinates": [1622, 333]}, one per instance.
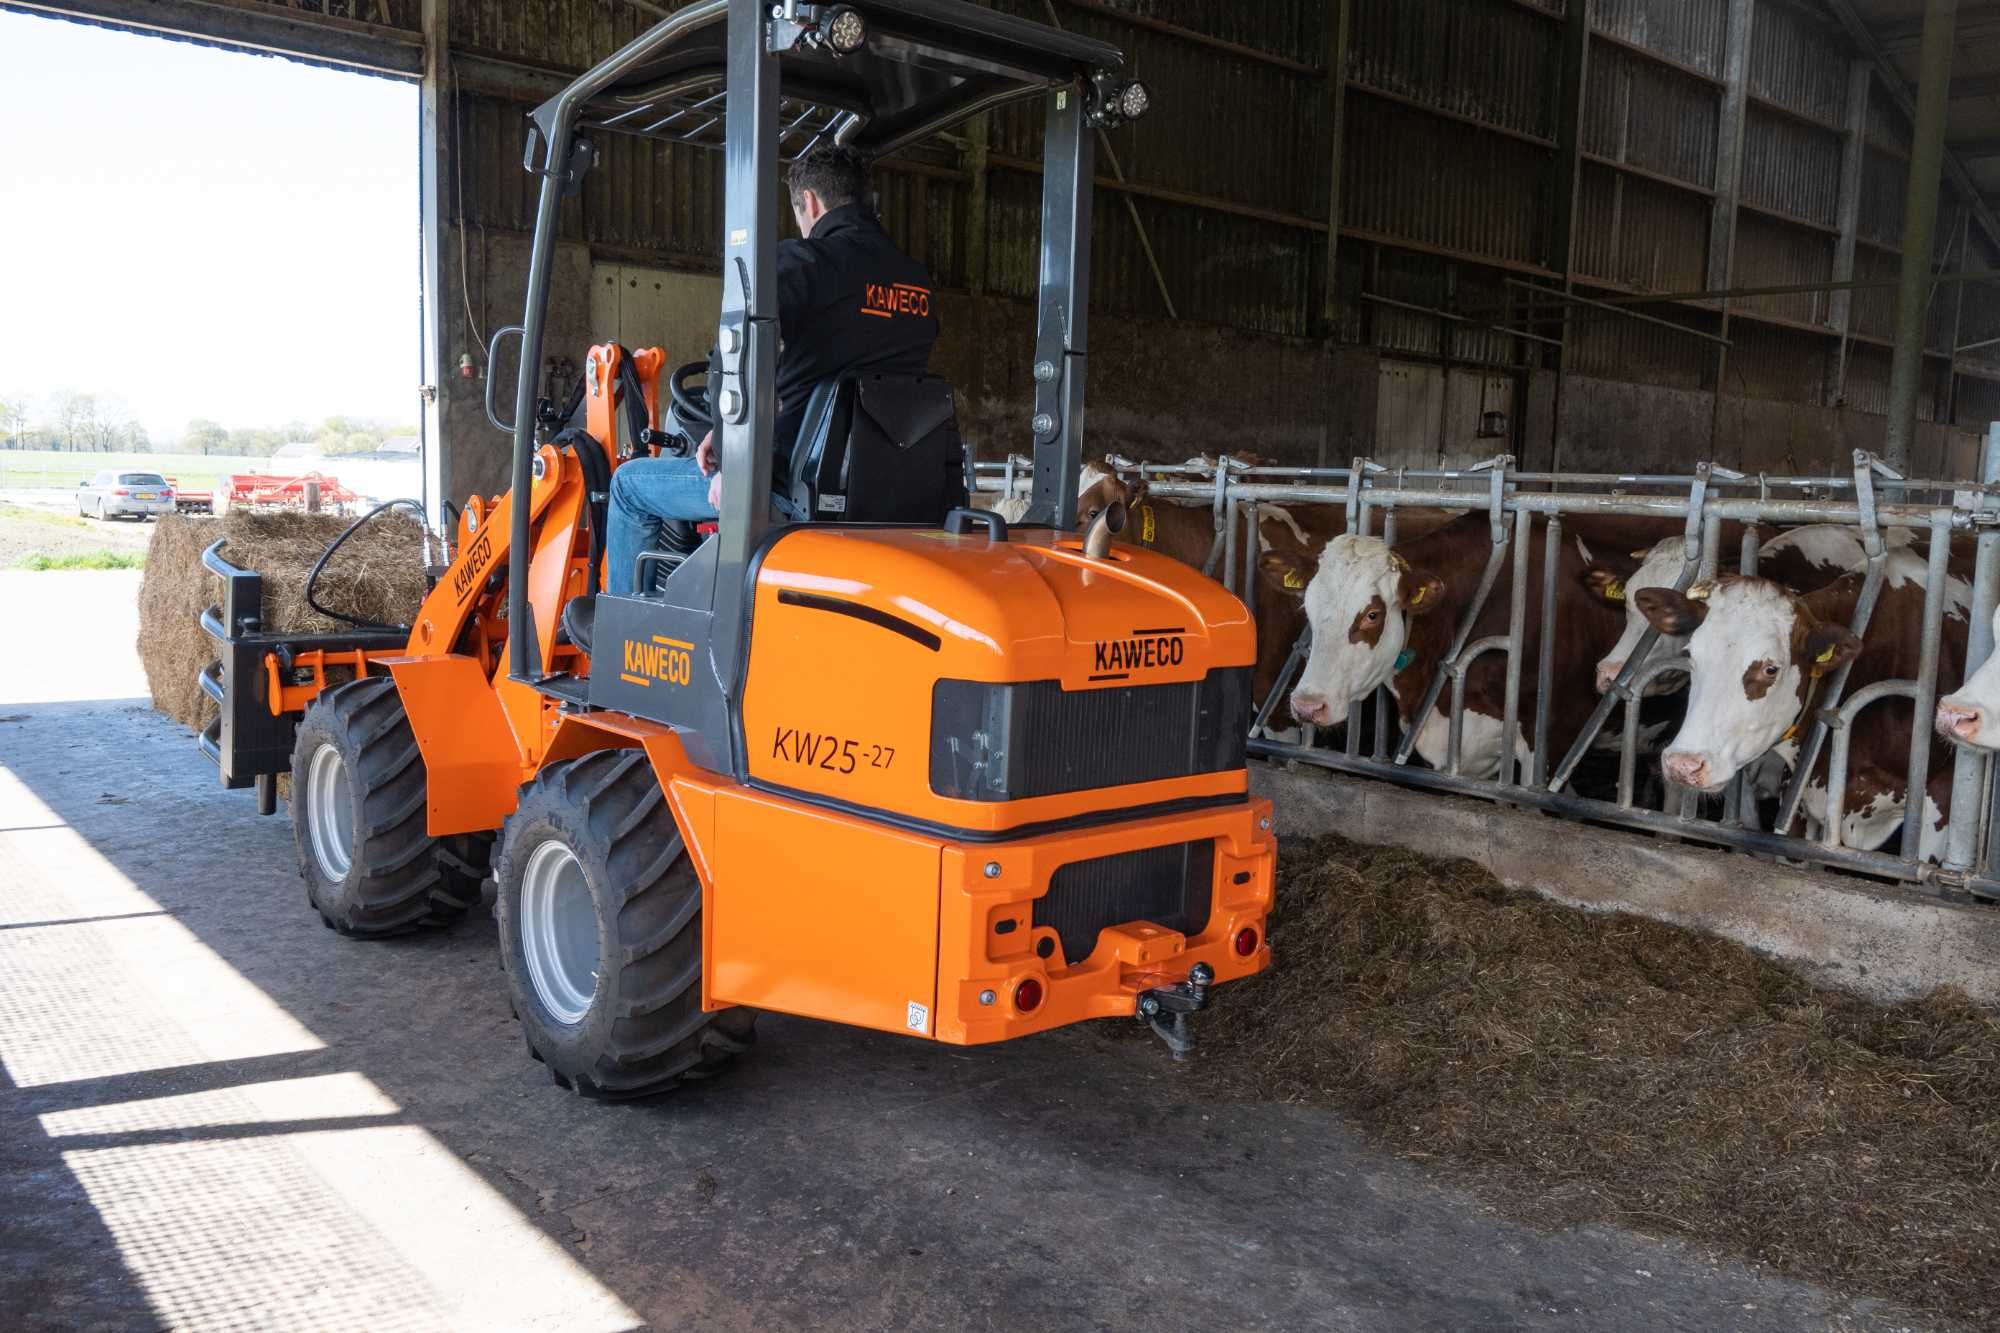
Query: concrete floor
{"type": "Point", "coordinates": [216, 1114]}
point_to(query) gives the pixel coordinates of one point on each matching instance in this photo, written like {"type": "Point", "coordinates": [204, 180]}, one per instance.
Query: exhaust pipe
{"type": "Point", "coordinates": [1110, 521]}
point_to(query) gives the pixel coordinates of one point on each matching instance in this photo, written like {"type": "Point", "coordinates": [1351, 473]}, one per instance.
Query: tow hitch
{"type": "Point", "coordinates": [1165, 1009]}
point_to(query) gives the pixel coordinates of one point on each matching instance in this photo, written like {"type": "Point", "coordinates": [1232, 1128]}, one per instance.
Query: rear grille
{"type": "Point", "coordinates": [1011, 742]}
{"type": "Point", "coordinates": [1169, 886]}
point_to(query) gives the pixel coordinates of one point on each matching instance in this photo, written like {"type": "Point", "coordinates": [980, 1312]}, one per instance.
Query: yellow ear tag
{"type": "Point", "coordinates": [1700, 591]}
{"type": "Point", "coordinates": [1293, 581]}
{"type": "Point", "coordinates": [1825, 656]}
{"type": "Point", "coordinates": [1417, 598]}
{"type": "Point", "coordinates": [1614, 591]}
{"type": "Point", "coordinates": [1146, 525]}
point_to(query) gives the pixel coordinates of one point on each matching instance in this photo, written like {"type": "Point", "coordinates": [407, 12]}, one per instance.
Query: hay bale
{"type": "Point", "coordinates": [1603, 1067]}
{"type": "Point", "coordinates": [377, 575]}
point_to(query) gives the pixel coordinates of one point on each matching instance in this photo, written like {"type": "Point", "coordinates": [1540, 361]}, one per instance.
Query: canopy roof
{"type": "Point", "coordinates": [927, 65]}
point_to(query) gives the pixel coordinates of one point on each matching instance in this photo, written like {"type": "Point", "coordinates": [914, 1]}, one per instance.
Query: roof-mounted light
{"type": "Point", "coordinates": [1114, 101]}
{"type": "Point", "coordinates": [846, 31]}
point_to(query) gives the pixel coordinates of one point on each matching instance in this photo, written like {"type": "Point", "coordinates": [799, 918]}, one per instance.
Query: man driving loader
{"type": "Point", "coordinates": [848, 300]}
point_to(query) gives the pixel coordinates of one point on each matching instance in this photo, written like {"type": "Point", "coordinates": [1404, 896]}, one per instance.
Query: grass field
{"type": "Point", "coordinates": [32, 468]}
{"type": "Point", "coordinates": [39, 560]}
{"type": "Point", "coordinates": [41, 539]}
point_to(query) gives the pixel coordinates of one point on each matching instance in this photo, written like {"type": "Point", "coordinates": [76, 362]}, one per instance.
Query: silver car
{"type": "Point", "coordinates": [139, 495]}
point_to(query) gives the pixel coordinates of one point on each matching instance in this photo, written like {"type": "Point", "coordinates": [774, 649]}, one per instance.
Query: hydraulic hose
{"type": "Point", "coordinates": [312, 578]}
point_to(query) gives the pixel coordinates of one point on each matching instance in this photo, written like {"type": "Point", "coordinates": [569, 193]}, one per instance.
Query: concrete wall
{"type": "Point", "coordinates": [1615, 425]}
{"type": "Point", "coordinates": [1840, 930]}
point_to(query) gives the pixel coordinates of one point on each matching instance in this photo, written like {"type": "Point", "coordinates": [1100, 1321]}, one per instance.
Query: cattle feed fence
{"type": "Point", "coordinates": [1872, 499]}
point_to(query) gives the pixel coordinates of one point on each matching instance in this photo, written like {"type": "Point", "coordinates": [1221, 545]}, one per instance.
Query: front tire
{"type": "Point", "coordinates": [358, 817]}
{"type": "Point", "coordinates": [600, 933]}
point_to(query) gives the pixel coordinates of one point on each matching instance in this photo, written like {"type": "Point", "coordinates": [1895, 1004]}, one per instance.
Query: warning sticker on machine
{"type": "Point", "coordinates": [919, 1019]}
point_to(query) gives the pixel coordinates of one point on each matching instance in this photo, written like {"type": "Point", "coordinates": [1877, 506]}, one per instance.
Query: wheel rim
{"type": "Point", "coordinates": [559, 931]}
{"type": "Point", "coordinates": [329, 807]}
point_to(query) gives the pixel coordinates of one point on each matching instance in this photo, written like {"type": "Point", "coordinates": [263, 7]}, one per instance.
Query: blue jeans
{"type": "Point", "coordinates": [645, 493]}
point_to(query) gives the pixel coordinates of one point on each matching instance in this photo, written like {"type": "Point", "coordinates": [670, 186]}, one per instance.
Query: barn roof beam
{"type": "Point", "coordinates": [1891, 78]}
{"type": "Point", "coordinates": [349, 43]}
{"type": "Point", "coordinates": [1975, 85]}
{"type": "Point", "coordinates": [1977, 24]}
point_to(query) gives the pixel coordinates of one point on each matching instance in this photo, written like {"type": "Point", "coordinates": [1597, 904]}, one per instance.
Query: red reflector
{"type": "Point", "coordinates": [1246, 941]}
{"type": "Point", "coordinates": [1028, 996]}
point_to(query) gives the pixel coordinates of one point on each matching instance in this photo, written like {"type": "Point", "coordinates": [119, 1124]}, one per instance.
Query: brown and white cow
{"type": "Point", "coordinates": [1759, 655]}
{"type": "Point", "coordinates": [1387, 617]}
{"type": "Point", "coordinates": [1802, 559]}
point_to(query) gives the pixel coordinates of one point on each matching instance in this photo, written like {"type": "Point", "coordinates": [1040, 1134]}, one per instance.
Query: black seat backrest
{"type": "Point", "coordinates": [876, 448]}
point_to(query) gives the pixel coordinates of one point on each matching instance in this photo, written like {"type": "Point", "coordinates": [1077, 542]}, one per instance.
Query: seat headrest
{"type": "Point", "coordinates": [904, 408]}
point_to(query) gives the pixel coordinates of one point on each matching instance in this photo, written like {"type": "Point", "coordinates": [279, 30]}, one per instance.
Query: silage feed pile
{"type": "Point", "coordinates": [1608, 1068]}
{"type": "Point", "coordinates": [378, 575]}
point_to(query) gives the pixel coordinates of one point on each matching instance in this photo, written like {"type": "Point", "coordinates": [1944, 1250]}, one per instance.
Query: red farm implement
{"type": "Point", "coordinates": [191, 502]}
{"type": "Point", "coordinates": [311, 490]}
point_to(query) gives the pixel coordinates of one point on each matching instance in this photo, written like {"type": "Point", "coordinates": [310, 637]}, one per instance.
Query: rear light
{"type": "Point", "coordinates": [121, 491]}
{"type": "Point", "coordinates": [1028, 996]}
{"type": "Point", "coordinates": [1246, 941]}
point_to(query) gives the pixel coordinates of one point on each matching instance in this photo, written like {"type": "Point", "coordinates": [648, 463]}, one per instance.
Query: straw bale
{"type": "Point", "coordinates": [377, 575]}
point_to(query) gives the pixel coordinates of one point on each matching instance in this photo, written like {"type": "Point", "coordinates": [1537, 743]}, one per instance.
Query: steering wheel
{"type": "Point", "coordinates": [688, 412]}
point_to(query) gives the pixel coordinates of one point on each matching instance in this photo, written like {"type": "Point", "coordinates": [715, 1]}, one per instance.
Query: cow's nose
{"type": "Point", "coordinates": [1685, 768]}
{"type": "Point", "coordinates": [1607, 671]}
{"type": "Point", "coordinates": [1961, 721]}
{"type": "Point", "coordinates": [1310, 707]}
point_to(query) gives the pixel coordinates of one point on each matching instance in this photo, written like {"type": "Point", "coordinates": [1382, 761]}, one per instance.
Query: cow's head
{"type": "Point", "coordinates": [1755, 649]}
{"type": "Point", "coordinates": [1359, 602]}
{"type": "Point", "coordinates": [1616, 580]}
{"type": "Point", "coordinates": [1099, 486]}
{"type": "Point", "coordinates": [1970, 714]}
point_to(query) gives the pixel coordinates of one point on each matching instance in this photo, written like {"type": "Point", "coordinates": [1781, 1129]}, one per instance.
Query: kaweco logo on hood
{"type": "Point", "coordinates": [1146, 650]}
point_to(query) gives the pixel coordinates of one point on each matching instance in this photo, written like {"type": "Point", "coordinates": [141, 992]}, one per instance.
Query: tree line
{"type": "Point", "coordinates": [72, 422]}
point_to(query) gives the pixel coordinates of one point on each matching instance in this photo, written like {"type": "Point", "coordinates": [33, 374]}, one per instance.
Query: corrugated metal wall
{"type": "Point", "coordinates": [1450, 176]}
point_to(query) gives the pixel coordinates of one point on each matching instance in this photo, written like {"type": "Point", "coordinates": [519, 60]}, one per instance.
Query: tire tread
{"type": "Point", "coordinates": [406, 882]}
{"type": "Point", "coordinates": [656, 1034]}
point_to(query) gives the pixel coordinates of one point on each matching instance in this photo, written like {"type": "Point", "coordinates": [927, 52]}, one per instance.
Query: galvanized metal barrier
{"type": "Point", "coordinates": [1872, 499]}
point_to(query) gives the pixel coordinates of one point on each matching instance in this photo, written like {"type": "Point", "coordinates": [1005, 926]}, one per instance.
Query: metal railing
{"type": "Point", "coordinates": [1872, 499]}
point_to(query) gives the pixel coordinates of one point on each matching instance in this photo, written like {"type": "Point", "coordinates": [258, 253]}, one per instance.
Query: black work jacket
{"type": "Point", "coordinates": [848, 300]}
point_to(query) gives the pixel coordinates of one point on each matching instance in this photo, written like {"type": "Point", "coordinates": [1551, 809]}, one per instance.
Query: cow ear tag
{"type": "Point", "coordinates": [1820, 662]}
{"type": "Point", "coordinates": [1700, 591]}
{"type": "Point", "coordinates": [1293, 581]}
{"type": "Point", "coordinates": [1417, 597]}
{"type": "Point", "coordinates": [1146, 528]}
{"type": "Point", "coordinates": [1404, 658]}
{"type": "Point", "coordinates": [1614, 591]}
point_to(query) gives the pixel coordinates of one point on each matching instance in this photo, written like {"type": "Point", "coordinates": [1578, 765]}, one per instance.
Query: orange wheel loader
{"type": "Point", "coordinates": [860, 754]}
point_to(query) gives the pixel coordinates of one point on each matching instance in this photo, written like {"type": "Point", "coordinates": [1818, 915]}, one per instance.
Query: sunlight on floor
{"type": "Point", "coordinates": [98, 660]}
{"type": "Point", "coordinates": [306, 1202]}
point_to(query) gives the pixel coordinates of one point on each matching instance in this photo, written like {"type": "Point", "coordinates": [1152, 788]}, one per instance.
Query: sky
{"type": "Point", "coordinates": [202, 233]}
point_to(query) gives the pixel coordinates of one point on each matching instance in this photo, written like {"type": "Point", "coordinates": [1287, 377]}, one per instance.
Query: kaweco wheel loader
{"type": "Point", "coordinates": [923, 773]}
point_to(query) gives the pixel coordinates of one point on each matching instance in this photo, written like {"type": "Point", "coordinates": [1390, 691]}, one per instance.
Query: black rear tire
{"type": "Point", "coordinates": [641, 1029]}
{"type": "Point", "coordinates": [368, 793]}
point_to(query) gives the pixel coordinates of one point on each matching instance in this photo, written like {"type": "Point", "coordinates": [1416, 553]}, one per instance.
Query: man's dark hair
{"type": "Point", "coordinates": [838, 175]}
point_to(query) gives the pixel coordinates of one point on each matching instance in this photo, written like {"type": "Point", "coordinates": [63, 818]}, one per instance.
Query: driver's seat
{"type": "Point", "coordinates": [875, 448]}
